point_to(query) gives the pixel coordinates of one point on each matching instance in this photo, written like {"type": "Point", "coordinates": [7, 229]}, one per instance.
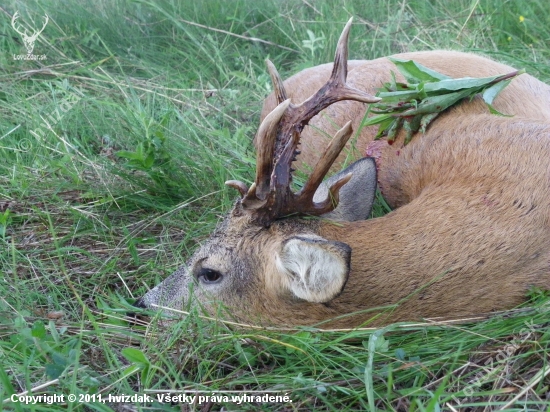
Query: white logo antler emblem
{"type": "Point", "coordinates": [28, 40]}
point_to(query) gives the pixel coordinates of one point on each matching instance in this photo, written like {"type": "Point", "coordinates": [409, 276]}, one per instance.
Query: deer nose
{"type": "Point", "coordinates": [134, 317]}
{"type": "Point", "coordinates": [140, 303]}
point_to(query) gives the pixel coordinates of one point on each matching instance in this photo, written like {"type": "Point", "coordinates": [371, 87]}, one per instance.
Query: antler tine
{"type": "Point", "coordinates": [13, 20]}
{"type": "Point", "coordinates": [238, 185]}
{"type": "Point", "coordinates": [302, 202]}
{"type": "Point", "coordinates": [340, 71]}
{"type": "Point", "coordinates": [335, 89]}
{"type": "Point", "coordinates": [267, 136]}
{"type": "Point", "coordinates": [340, 68]}
{"type": "Point", "coordinates": [46, 20]}
{"type": "Point", "coordinates": [278, 87]}
{"type": "Point", "coordinates": [323, 165]}
{"type": "Point", "coordinates": [271, 197]}
{"type": "Point", "coordinates": [333, 197]}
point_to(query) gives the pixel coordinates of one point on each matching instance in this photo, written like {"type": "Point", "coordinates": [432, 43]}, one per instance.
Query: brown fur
{"type": "Point", "coordinates": [470, 232]}
{"type": "Point", "coordinates": [472, 195]}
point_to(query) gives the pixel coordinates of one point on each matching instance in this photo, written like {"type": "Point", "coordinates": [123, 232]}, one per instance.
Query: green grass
{"type": "Point", "coordinates": [151, 106]}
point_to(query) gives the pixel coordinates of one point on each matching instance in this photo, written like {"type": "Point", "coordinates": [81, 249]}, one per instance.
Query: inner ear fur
{"type": "Point", "coordinates": [313, 268]}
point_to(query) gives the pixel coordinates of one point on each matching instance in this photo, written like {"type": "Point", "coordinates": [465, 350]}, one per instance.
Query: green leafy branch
{"type": "Point", "coordinates": [414, 105]}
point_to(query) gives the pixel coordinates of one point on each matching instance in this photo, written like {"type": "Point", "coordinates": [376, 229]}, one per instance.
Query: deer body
{"type": "Point", "coordinates": [470, 232]}
{"type": "Point", "coordinates": [471, 217]}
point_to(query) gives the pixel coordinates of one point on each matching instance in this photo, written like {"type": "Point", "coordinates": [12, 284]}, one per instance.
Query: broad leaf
{"type": "Point", "coordinates": [460, 84]}
{"type": "Point", "coordinates": [415, 105]}
{"type": "Point", "coordinates": [492, 92]}
{"type": "Point", "coordinates": [437, 104]}
{"type": "Point", "coordinates": [403, 96]}
{"type": "Point", "coordinates": [415, 73]}
{"type": "Point", "coordinates": [135, 356]}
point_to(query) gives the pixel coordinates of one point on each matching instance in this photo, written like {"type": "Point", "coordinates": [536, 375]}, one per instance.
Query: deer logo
{"type": "Point", "coordinates": [28, 40]}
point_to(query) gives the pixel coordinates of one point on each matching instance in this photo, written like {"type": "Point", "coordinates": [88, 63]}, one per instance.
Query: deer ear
{"type": "Point", "coordinates": [356, 196]}
{"type": "Point", "coordinates": [314, 269]}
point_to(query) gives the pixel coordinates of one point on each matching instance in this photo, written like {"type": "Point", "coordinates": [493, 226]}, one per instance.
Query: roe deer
{"type": "Point", "coordinates": [470, 229]}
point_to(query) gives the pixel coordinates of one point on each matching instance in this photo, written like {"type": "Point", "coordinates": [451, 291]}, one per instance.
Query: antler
{"type": "Point", "coordinates": [46, 20]}
{"type": "Point", "coordinates": [270, 197]}
{"type": "Point", "coordinates": [36, 32]}
{"type": "Point", "coordinates": [13, 20]}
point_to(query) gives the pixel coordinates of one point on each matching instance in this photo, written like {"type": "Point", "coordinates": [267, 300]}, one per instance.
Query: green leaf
{"type": "Point", "coordinates": [368, 373]}
{"type": "Point", "coordinates": [381, 344]}
{"type": "Point", "coordinates": [411, 126]}
{"type": "Point", "coordinates": [38, 330]}
{"type": "Point", "coordinates": [400, 353]}
{"type": "Point", "coordinates": [128, 155]}
{"type": "Point", "coordinates": [19, 322]}
{"type": "Point", "coordinates": [53, 331]}
{"type": "Point", "coordinates": [393, 129]}
{"type": "Point", "coordinates": [415, 73]}
{"type": "Point", "coordinates": [491, 93]}
{"type": "Point", "coordinates": [59, 359]}
{"type": "Point", "coordinates": [426, 120]}
{"type": "Point", "coordinates": [437, 103]}
{"type": "Point", "coordinates": [245, 355]}
{"type": "Point", "coordinates": [382, 129]}
{"type": "Point", "coordinates": [380, 119]}
{"type": "Point", "coordinates": [149, 160]}
{"type": "Point", "coordinates": [130, 370]}
{"type": "Point", "coordinates": [135, 356]}
{"type": "Point", "coordinates": [450, 85]}
{"type": "Point", "coordinates": [5, 217]}
{"type": "Point", "coordinates": [54, 371]}
{"type": "Point", "coordinates": [494, 111]}
{"type": "Point", "coordinates": [414, 106]}
{"type": "Point", "coordinates": [403, 96]}
{"type": "Point", "coordinates": [303, 335]}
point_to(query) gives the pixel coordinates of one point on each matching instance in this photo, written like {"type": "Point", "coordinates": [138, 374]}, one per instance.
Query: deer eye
{"type": "Point", "coordinates": [209, 276]}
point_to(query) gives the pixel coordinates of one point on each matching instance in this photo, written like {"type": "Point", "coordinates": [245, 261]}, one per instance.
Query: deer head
{"type": "Point", "coordinates": [264, 261]}
{"type": "Point", "coordinates": [28, 40]}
